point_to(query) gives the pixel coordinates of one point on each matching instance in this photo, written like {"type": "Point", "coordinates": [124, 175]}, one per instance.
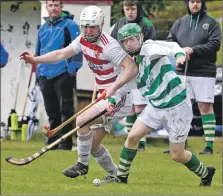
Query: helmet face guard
{"type": "Point", "coordinates": [91, 17]}
{"type": "Point", "coordinates": [90, 33]}
{"type": "Point", "coordinates": [130, 37]}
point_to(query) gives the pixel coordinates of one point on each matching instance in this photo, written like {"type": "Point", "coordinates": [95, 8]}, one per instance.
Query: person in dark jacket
{"type": "Point", "coordinates": [57, 81]}
{"type": "Point", "coordinates": [134, 14]}
{"type": "Point", "coordinates": [200, 36]}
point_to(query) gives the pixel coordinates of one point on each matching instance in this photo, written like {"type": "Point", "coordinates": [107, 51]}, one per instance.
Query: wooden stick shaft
{"type": "Point", "coordinates": [94, 93]}
{"type": "Point", "coordinates": [74, 130]}
{"type": "Point", "coordinates": [185, 73]}
{"type": "Point", "coordinates": [25, 161]}
{"type": "Point", "coordinates": [52, 132]}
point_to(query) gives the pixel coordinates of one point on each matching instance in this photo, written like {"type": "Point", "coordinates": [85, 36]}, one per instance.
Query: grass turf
{"type": "Point", "coordinates": [152, 171]}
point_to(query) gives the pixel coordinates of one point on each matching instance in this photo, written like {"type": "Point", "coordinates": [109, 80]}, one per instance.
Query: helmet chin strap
{"type": "Point", "coordinates": [135, 52]}
{"type": "Point", "coordinates": [93, 39]}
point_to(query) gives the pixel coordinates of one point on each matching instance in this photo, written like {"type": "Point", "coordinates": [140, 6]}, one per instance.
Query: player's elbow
{"type": "Point", "coordinates": [134, 69]}
{"type": "Point", "coordinates": [60, 55]}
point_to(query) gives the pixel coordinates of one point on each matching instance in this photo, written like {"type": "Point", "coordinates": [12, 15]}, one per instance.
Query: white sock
{"type": "Point", "coordinates": [84, 143]}
{"type": "Point", "coordinates": [103, 157]}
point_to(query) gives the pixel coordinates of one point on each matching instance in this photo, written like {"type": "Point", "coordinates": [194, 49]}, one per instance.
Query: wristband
{"type": "Point", "coordinates": [112, 100]}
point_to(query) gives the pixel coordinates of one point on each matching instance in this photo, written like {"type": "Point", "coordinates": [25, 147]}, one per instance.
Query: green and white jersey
{"type": "Point", "coordinates": [157, 81]}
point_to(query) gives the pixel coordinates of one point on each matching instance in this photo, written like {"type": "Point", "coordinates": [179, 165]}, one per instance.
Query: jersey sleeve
{"type": "Point", "coordinates": [156, 49]}
{"type": "Point", "coordinates": [125, 89]}
{"type": "Point", "coordinates": [172, 47]}
{"type": "Point", "coordinates": [76, 46]}
{"type": "Point", "coordinates": [114, 53]}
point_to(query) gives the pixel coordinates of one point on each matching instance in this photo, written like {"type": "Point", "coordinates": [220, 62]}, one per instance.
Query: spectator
{"type": "Point", "coordinates": [200, 36]}
{"type": "Point", "coordinates": [4, 56]}
{"type": "Point", "coordinates": [134, 14]}
{"type": "Point", "coordinates": [57, 81]}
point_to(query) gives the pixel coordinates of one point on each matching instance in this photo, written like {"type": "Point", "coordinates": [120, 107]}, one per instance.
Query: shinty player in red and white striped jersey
{"type": "Point", "coordinates": [112, 67]}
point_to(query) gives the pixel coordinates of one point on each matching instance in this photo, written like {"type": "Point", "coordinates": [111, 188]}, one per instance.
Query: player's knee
{"type": "Point", "coordinates": [79, 121]}
{"type": "Point", "coordinates": [205, 108]}
{"type": "Point", "coordinates": [177, 157]}
{"type": "Point", "coordinates": [85, 129]}
{"type": "Point", "coordinates": [132, 139]}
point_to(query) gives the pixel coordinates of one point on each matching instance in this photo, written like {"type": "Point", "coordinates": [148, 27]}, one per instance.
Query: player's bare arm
{"type": "Point", "coordinates": [130, 72]}
{"type": "Point", "coordinates": [51, 57]}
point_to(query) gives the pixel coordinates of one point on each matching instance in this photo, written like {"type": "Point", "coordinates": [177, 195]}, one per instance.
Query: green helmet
{"type": "Point", "coordinates": [129, 30]}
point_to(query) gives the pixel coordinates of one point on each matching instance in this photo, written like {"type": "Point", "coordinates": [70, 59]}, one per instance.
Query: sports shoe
{"type": "Point", "coordinates": [119, 179]}
{"type": "Point", "coordinates": [206, 151]}
{"type": "Point", "coordinates": [110, 178]}
{"type": "Point", "coordinates": [167, 151]}
{"type": "Point", "coordinates": [77, 170]}
{"type": "Point", "coordinates": [208, 179]}
{"type": "Point", "coordinates": [123, 179]}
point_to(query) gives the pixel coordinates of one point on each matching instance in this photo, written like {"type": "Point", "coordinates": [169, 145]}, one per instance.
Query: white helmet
{"type": "Point", "coordinates": [92, 16]}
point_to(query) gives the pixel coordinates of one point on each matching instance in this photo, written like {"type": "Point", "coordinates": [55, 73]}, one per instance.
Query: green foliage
{"type": "Point", "coordinates": [215, 10]}
{"type": "Point", "coordinates": [116, 11]}
{"type": "Point", "coordinates": [163, 20]}
{"type": "Point", "coordinates": [219, 54]}
{"type": "Point", "coordinates": [151, 6]}
{"type": "Point", "coordinates": [152, 172]}
{"type": "Point", "coordinates": [214, 5]}
{"type": "Point", "coordinates": [216, 13]}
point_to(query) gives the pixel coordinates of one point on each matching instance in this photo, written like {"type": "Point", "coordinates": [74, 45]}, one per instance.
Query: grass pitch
{"type": "Point", "coordinates": [152, 172]}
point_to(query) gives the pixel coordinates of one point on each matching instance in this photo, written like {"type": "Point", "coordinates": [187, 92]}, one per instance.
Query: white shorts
{"type": "Point", "coordinates": [138, 99]}
{"type": "Point", "coordinates": [200, 88]}
{"type": "Point", "coordinates": [176, 120]}
{"type": "Point", "coordinates": [123, 108]}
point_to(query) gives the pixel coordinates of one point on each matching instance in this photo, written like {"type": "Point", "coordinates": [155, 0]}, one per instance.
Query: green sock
{"type": "Point", "coordinates": [197, 167]}
{"type": "Point", "coordinates": [130, 121]}
{"type": "Point", "coordinates": [125, 161]}
{"type": "Point", "coordinates": [209, 124]}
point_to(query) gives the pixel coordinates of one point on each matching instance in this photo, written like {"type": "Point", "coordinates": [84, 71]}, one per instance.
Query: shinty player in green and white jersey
{"type": "Point", "coordinates": [168, 104]}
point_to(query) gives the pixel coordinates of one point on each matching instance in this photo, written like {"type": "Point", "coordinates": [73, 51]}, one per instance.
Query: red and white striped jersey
{"type": "Point", "coordinates": [104, 58]}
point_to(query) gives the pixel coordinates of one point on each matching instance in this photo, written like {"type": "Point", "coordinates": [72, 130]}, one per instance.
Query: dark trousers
{"type": "Point", "coordinates": [58, 100]}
